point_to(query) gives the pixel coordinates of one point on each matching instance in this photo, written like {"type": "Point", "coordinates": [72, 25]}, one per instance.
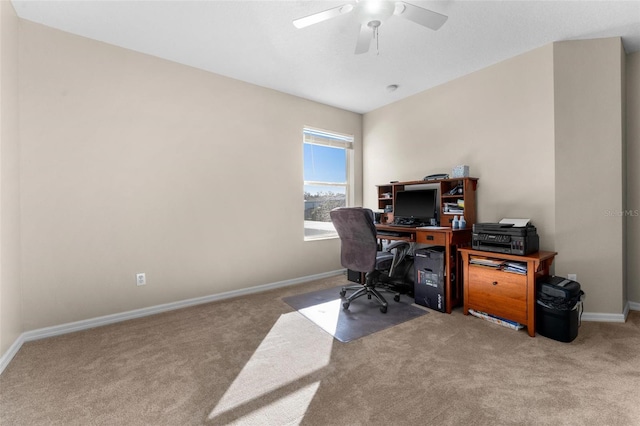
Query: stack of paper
{"type": "Point", "coordinates": [486, 261]}
{"type": "Point", "coordinates": [517, 267]}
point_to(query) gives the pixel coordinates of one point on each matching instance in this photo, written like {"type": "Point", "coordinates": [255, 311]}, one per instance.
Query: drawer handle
{"type": "Point", "coordinates": [495, 283]}
{"type": "Point", "coordinates": [429, 237]}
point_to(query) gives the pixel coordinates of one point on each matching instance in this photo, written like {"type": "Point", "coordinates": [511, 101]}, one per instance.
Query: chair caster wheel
{"type": "Point", "coordinates": [368, 296]}
{"type": "Point", "coordinates": [343, 292]}
{"type": "Point", "coordinates": [345, 305]}
{"type": "Point", "coordinates": [383, 309]}
{"type": "Point", "coordinates": [396, 297]}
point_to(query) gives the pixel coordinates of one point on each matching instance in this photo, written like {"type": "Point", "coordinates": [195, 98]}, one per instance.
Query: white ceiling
{"type": "Point", "coordinates": [255, 41]}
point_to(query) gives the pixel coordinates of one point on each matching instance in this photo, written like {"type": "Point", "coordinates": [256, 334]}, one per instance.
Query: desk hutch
{"type": "Point", "coordinates": [468, 185]}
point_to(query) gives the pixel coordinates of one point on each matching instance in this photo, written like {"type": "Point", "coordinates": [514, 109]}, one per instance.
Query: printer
{"type": "Point", "coordinates": [505, 237]}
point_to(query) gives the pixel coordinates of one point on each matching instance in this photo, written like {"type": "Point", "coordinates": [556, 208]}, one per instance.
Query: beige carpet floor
{"type": "Point", "coordinates": [255, 361]}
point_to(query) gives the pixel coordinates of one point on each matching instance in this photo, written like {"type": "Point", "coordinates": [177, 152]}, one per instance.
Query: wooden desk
{"type": "Point", "coordinates": [504, 294]}
{"type": "Point", "coordinates": [451, 239]}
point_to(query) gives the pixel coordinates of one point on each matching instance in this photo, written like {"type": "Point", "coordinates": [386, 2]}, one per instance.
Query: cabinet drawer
{"type": "Point", "coordinates": [433, 238]}
{"type": "Point", "coordinates": [499, 293]}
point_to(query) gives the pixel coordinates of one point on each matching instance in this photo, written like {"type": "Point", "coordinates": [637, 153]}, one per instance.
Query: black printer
{"type": "Point", "coordinates": [505, 238]}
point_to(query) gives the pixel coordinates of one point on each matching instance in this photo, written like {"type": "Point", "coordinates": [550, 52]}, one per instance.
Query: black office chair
{"type": "Point", "coordinates": [359, 252]}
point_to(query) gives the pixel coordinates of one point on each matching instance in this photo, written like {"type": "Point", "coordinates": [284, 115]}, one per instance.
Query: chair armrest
{"type": "Point", "coordinates": [397, 244]}
{"type": "Point", "coordinates": [401, 248]}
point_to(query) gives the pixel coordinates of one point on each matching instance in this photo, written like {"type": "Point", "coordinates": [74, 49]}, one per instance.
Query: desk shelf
{"type": "Point", "coordinates": [466, 192]}
{"type": "Point", "coordinates": [468, 185]}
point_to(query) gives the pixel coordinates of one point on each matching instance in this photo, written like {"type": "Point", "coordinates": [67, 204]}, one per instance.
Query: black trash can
{"type": "Point", "coordinates": [558, 308]}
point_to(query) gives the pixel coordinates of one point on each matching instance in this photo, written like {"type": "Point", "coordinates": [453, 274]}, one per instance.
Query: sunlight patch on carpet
{"type": "Point", "coordinates": [289, 410]}
{"type": "Point", "coordinates": [325, 315]}
{"type": "Point", "coordinates": [293, 349]}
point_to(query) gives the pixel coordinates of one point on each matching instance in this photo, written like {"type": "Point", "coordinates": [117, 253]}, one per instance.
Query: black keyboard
{"type": "Point", "coordinates": [390, 233]}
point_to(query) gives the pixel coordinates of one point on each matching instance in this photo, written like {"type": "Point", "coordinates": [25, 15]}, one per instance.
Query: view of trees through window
{"type": "Point", "coordinates": [317, 206]}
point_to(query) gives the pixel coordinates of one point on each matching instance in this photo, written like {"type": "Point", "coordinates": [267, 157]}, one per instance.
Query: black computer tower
{"type": "Point", "coordinates": [429, 280]}
{"type": "Point", "coordinates": [355, 276]}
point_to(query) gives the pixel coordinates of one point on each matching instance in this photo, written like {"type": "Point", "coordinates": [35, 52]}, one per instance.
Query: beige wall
{"type": "Point", "coordinates": [633, 176]}
{"type": "Point", "coordinates": [589, 169]}
{"type": "Point", "coordinates": [135, 164]}
{"type": "Point", "coordinates": [498, 120]}
{"type": "Point", "coordinates": [10, 291]}
{"type": "Point", "coordinates": [544, 133]}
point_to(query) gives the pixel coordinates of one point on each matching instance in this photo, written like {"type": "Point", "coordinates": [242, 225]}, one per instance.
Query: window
{"type": "Point", "coordinates": [327, 162]}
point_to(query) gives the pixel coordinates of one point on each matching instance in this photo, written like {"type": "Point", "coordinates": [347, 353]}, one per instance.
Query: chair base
{"type": "Point", "coordinates": [370, 290]}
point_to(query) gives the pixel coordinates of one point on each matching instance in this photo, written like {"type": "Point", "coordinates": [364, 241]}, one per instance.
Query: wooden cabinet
{"type": "Point", "coordinates": [504, 294]}
{"type": "Point", "coordinates": [460, 192]}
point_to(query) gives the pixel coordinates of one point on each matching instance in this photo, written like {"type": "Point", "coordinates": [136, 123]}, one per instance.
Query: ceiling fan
{"type": "Point", "coordinates": [371, 14]}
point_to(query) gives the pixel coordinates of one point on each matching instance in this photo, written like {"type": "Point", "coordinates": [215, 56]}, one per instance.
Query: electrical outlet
{"type": "Point", "coordinates": [141, 278]}
{"type": "Point", "coordinates": [572, 277]}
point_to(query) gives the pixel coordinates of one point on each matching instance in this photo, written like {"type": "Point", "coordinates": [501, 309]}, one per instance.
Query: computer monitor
{"type": "Point", "coordinates": [420, 205]}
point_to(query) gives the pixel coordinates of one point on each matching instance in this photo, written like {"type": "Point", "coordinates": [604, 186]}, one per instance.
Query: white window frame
{"type": "Point", "coordinates": [333, 139]}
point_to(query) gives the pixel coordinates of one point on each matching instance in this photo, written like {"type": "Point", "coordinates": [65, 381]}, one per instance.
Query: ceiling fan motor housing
{"type": "Point", "coordinates": [374, 10]}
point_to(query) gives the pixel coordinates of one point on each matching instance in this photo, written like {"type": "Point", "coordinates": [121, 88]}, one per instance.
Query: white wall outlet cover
{"type": "Point", "coordinates": [141, 279]}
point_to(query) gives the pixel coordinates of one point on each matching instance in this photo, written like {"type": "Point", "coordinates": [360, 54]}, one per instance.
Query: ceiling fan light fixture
{"type": "Point", "coordinates": [371, 14]}
{"type": "Point", "coordinates": [375, 10]}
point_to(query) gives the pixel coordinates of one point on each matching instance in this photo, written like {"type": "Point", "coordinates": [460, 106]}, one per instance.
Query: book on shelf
{"type": "Point", "coordinates": [486, 261]}
{"type": "Point", "coordinates": [505, 265]}
{"type": "Point", "coordinates": [516, 267]}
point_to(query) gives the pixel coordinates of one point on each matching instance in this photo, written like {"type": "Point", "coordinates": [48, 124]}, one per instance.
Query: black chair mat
{"type": "Point", "coordinates": [324, 308]}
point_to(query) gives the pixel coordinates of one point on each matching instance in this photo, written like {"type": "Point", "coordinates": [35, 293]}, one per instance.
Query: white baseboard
{"type": "Point", "coordinates": [6, 357]}
{"type": "Point", "coordinates": [598, 317]}
{"type": "Point", "coordinates": [70, 327]}
{"type": "Point", "coordinates": [57, 330]}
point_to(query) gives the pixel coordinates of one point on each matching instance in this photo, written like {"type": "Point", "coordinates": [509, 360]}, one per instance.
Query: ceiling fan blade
{"type": "Point", "coordinates": [322, 16]}
{"type": "Point", "coordinates": [364, 39]}
{"type": "Point", "coordinates": [425, 17]}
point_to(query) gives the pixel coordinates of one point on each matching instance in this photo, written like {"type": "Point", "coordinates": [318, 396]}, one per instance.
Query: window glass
{"type": "Point", "coordinates": [327, 158]}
